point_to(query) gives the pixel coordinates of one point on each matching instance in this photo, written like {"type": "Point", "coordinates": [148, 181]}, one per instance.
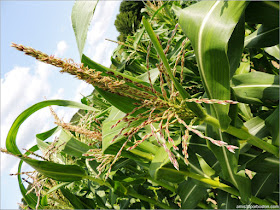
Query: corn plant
{"type": "Point", "coordinates": [187, 116]}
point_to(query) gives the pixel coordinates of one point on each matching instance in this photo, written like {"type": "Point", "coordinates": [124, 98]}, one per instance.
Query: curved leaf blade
{"type": "Point", "coordinates": [225, 201]}
{"type": "Point", "coordinates": [191, 193]}
{"type": "Point", "coordinates": [210, 25]}
{"type": "Point", "coordinates": [11, 138]}
{"type": "Point", "coordinates": [263, 184]}
{"type": "Point", "coordinates": [273, 51]}
{"type": "Point", "coordinates": [272, 123]}
{"type": "Point", "coordinates": [265, 36]}
{"type": "Point", "coordinates": [31, 198]}
{"type": "Point", "coordinates": [59, 172]}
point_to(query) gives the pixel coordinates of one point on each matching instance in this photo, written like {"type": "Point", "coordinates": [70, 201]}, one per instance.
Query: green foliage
{"type": "Point", "coordinates": [128, 19]}
{"type": "Point", "coordinates": [147, 137]}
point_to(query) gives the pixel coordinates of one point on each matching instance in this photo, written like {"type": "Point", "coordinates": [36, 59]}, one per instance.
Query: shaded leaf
{"type": "Point", "coordinates": [272, 123]}
{"type": "Point", "coordinates": [191, 193]}
{"type": "Point", "coordinates": [256, 87]}
{"type": "Point", "coordinates": [226, 201]}
{"type": "Point", "coordinates": [229, 163]}
{"type": "Point", "coordinates": [263, 184]}
{"type": "Point", "coordinates": [265, 36]}
{"type": "Point", "coordinates": [75, 200]}
{"type": "Point", "coordinates": [256, 126]}
{"type": "Point", "coordinates": [261, 163]}
{"type": "Point", "coordinates": [264, 12]}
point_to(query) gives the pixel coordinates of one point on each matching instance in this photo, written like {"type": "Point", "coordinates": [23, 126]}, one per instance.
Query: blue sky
{"type": "Point", "coordinates": [46, 26]}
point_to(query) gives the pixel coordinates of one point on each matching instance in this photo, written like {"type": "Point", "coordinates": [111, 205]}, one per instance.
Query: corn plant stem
{"type": "Point", "coordinates": [149, 200]}
{"type": "Point", "coordinates": [217, 184]}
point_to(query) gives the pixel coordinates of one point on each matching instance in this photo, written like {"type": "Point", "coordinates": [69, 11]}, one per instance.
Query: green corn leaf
{"type": "Point", "coordinates": [191, 193]}
{"type": "Point", "coordinates": [44, 147]}
{"type": "Point", "coordinates": [153, 74]}
{"type": "Point", "coordinates": [243, 68]}
{"type": "Point", "coordinates": [261, 163]}
{"type": "Point", "coordinates": [58, 186]}
{"type": "Point", "coordinates": [272, 123]}
{"type": "Point", "coordinates": [72, 147]}
{"type": "Point", "coordinates": [273, 51]}
{"type": "Point", "coordinates": [31, 198]}
{"type": "Point", "coordinates": [81, 16]}
{"type": "Point", "coordinates": [93, 65]}
{"type": "Point", "coordinates": [59, 172]}
{"type": "Point", "coordinates": [245, 111]}
{"type": "Point", "coordinates": [263, 12]}
{"type": "Point", "coordinates": [265, 36]}
{"type": "Point", "coordinates": [100, 202]}
{"type": "Point", "coordinates": [229, 163]}
{"type": "Point", "coordinates": [11, 138]}
{"type": "Point", "coordinates": [45, 135]}
{"type": "Point", "coordinates": [226, 201]}
{"type": "Point", "coordinates": [256, 87]}
{"type": "Point", "coordinates": [161, 160]}
{"type": "Point", "coordinates": [211, 28]}
{"type": "Point", "coordinates": [263, 184]}
{"type": "Point", "coordinates": [123, 103]}
{"type": "Point", "coordinates": [138, 37]}
{"type": "Point", "coordinates": [77, 201]}
{"type": "Point", "coordinates": [44, 201]}
{"type": "Point", "coordinates": [200, 147]}
{"type": "Point", "coordinates": [256, 126]}
{"type": "Point", "coordinates": [41, 137]}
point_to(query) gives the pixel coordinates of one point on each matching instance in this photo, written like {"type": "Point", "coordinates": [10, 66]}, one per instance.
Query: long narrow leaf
{"type": "Point", "coordinates": [31, 198]}
{"type": "Point", "coordinates": [81, 16]}
{"type": "Point", "coordinates": [209, 25]}
{"type": "Point", "coordinates": [11, 138]}
{"type": "Point", "coordinates": [191, 193]}
{"type": "Point", "coordinates": [256, 87]}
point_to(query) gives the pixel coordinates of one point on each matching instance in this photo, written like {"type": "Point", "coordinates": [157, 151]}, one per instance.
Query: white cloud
{"type": "Point", "coordinates": [20, 88]}
{"type": "Point", "coordinates": [61, 48]}
{"type": "Point", "coordinates": [102, 27]}
{"type": "Point", "coordinates": [84, 89]}
{"type": "Point", "coordinates": [24, 86]}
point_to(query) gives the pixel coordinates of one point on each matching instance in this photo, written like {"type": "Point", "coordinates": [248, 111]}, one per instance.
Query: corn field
{"type": "Point", "coordinates": [186, 117]}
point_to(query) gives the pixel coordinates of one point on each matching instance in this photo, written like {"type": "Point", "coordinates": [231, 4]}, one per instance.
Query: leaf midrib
{"type": "Point", "coordinates": [199, 46]}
